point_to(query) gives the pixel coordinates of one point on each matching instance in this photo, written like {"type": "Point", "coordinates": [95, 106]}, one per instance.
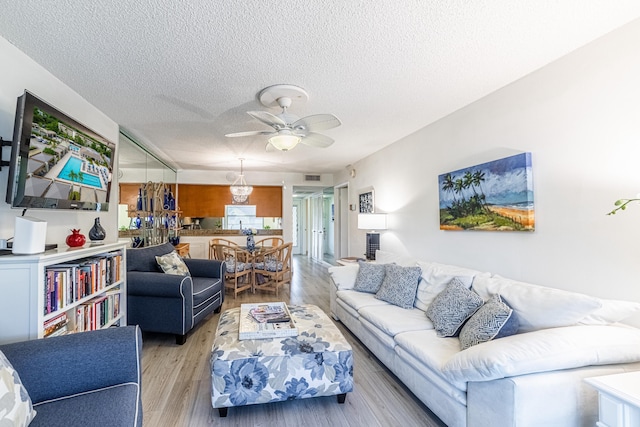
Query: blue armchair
{"type": "Point", "coordinates": [84, 379]}
{"type": "Point", "coordinates": [167, 303]}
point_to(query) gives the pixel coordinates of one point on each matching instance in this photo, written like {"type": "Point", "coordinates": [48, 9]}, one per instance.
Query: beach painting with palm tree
{"type": "Point", "coordinates": [493, 196]}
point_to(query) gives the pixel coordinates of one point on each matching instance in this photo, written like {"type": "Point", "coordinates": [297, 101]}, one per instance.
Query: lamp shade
{"type": "Point", "coordinates": [372, 221]}
{"type": "Point", "coordinates": [284, 142]}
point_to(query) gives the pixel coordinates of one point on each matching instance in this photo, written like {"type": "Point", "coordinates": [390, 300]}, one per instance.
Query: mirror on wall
{"type": "Point", "coordinates": [136, 165]}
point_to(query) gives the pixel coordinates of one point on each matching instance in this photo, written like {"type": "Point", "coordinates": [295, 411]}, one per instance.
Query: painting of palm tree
{"type": "Point", "coordinates": [493, 196]}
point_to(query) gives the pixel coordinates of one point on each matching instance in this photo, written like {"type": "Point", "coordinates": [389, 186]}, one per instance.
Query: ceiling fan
{"type": "Point", "coordinates": [289, 129]}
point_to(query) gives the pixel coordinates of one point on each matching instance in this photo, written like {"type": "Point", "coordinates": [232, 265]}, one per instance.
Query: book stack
{"type": "Point", "coordinates": [268, 320]}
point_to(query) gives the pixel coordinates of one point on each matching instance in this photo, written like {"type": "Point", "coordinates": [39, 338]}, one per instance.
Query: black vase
{"type": "Point", "coordinates": [97, 231]}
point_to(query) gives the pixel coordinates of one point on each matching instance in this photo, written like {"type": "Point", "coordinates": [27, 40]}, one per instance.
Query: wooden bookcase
{"type": "Point", "coordinates": [28, 302]}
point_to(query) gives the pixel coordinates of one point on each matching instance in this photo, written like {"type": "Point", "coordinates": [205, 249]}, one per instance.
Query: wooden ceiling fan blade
{"type": "Point", "coordinates": [317, 140]}
{"type": "Point", "coordinates": [249, 133]}
{"type": "Point", "coordinates": [268, 118]}
{"type": "Point", "coordinates": [317, 122]}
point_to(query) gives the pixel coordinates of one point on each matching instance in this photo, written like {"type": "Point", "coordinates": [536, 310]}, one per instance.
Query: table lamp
{"type": "Point", "coordinates": [372, 222]}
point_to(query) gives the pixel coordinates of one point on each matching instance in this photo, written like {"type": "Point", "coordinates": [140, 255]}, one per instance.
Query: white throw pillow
{"type": "Point", "coordinates": [16, 408]}
{"type": "Point", "coordinates": [344, 276]}
{"type": "Point", "coordinates": [537, 307]}
{"type": "Point", "coordinates": [435, 278]}
{"type": "Point", "coordinates": [545, 350]}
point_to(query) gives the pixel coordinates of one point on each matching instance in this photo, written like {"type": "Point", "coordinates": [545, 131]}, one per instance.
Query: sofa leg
{"type": "Point", "coordinates": [342, 397]}
{"type": "Point", "coordinates": [181, 339]}
{"type": "Point", "coordinates": [222, 412]}
{"type": "Point", "coordinates": [217, 310]}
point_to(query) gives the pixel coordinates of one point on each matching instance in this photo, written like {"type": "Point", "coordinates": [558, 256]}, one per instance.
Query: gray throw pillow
{"type": "Point", "coordinates": [370, 277]}
{"type": "Point", "coordinates": [452, 307]}
{"type": "Point", "coordinates": [399, 285]}
{"type": "Point", "coordinates": [495, 319]}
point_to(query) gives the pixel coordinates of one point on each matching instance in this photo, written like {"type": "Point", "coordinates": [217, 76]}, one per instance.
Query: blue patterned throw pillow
{"type": "Point", "coordinates": [370, 277]}
{"type": "Point", "coordinates": [452, 307]}
{"type": "Point", "coordinates": [495, 319]}
{"type": "Point", "coordinates": [399, 285]}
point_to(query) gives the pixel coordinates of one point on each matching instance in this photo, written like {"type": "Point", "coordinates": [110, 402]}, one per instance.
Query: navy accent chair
{"type": "Point", "coordinates": [168, 303]}
{"type": "Point", "coordinates": [84, 379]}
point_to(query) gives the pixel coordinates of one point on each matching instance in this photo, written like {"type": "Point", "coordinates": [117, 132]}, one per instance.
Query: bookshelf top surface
{"type": "Point", "coordinates": [62, 253]}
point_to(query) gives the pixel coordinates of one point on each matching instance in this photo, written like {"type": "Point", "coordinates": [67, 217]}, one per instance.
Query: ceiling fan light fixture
{"type": "Point", "coordinates": [240, 190]}
{"type": "Point", "coordinates": [284, 142]}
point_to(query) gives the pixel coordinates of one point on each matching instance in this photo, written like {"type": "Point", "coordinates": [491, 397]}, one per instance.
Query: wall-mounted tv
{"type": "Point", "coordinates": [57, 162]}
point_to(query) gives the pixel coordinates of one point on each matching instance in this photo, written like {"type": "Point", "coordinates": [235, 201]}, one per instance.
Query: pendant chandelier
{"type": "Point", "coordinates": [239, 189]}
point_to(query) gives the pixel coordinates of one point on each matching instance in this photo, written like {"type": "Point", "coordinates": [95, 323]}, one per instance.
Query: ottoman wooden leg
{"type": "Point", "coordinates": [222, 412]}
{"type": "Point", "coordinates": [342, 397]}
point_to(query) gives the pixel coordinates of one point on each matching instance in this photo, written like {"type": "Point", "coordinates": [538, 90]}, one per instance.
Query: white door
{"type": "Point", "coordinates": [298, 227]}
{"type": "Point", "coordinates": [317, 232]}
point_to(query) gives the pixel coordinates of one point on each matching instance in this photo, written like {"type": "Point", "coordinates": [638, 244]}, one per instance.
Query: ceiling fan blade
{"type": "Point", "coordinates": [249, 133]}
{"type": "Point", "coordinates": [317, 140]}
{"type": "Point", "coordinates": [317, 122]}
{"type": "Point", "coordinates": [268, 118]}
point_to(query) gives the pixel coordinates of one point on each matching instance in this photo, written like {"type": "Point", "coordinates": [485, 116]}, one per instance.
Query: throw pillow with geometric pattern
{"type": "Point", "coordinates": [399, 285]}
{"type": "Point", "coordinates": [495, 319]}
{"type": "Point", "coordinates": [452, 307]}
{"type": "Point", "coordinates": [370, 277]}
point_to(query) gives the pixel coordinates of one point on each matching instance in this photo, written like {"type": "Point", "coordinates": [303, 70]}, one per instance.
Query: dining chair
{"type": "Point", "coordinates": [219, 241]}
{"type": "Point", "coordinates": [272, 268]}
{"type": "Point", "coordinates": [238, 272]}
{"type": "Point", "coordinates": [272, 242]}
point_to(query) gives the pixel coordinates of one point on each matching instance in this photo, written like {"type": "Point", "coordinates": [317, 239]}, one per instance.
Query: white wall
{"type": "Point", "coordinates": [580, 119]}
{"type": "Point", "coordinates": [19, 72]}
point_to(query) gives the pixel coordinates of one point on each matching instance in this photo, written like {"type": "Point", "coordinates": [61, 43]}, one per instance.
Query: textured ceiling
{"type": "Point", "coordinates": [178, 75]}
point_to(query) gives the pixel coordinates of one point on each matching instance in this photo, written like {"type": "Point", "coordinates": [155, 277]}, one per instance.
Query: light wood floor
{"type": "Point", "coordinates": [176, 380]}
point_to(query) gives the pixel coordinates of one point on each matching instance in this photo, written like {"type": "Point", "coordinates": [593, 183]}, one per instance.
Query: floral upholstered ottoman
{"type": "Point", "coordinates": [317, 362]}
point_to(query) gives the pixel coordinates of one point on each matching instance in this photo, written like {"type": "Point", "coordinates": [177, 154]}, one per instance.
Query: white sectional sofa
{"type": "Point", "coordinates": [532, 378]}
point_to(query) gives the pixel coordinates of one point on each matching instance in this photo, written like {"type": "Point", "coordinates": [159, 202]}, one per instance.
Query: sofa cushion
{"type": "Point", "coordinates": [143, 259]}
{"type": "Point", "coordinates": [429, 354]}
{"type": "Point", "coordinates": [545, 350]}
{"type": "Point", "coordinates": [399, 285]}
{"type": "Point", "coordinates": [612, 311]}
{"type": "Point", "coordinates": [370, 277]}
{"type": "Point", "coordinates": [385, 257]}
{"type": "Point", "coordinates": [344, 276]}
{"type": "Point", "coordinates": [393, 320]}
{"type": "Point", "coordinates": [538, 307]}
{"type": "Point", "coordinates": [111, 406]}
{"type": "Point", "coordinates": [171, 263]}
{"type": "Point", "coordinates": [357, 300]}
{"type": "Point", "coordinates": [495, 319]}
{"type": "Point", "coordinates": [436, 276]}
{"type": "Point", "coordinates": [452, 307]}
{"type": "Point", "coordinates": [16, 408]}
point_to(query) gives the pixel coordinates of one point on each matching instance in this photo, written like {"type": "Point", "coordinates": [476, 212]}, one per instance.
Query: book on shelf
{"type": "Point", "coordinates": [252, 328]}
{"type": "Point", "coordinates": [55, 326]}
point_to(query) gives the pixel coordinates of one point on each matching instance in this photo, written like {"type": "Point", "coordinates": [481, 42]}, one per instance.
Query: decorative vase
{"type": "Point", "coordinates": [75, 239]}
{"type": "Point", "coordinates": [97, 232]}
{"type": "Point", "coordinates": [251, 244]}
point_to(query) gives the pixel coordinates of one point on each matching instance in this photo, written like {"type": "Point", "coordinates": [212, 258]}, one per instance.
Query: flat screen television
{"type": "Point", "coordinates": [57, 162]}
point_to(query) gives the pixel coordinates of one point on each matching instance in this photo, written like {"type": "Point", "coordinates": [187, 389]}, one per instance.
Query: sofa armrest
{"type": "Point", "coordinates": [61, 366]}
{"type": "Point", "coordinates": [204, 267]}
{"type": "Point", "coordinates": [144, 283]}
